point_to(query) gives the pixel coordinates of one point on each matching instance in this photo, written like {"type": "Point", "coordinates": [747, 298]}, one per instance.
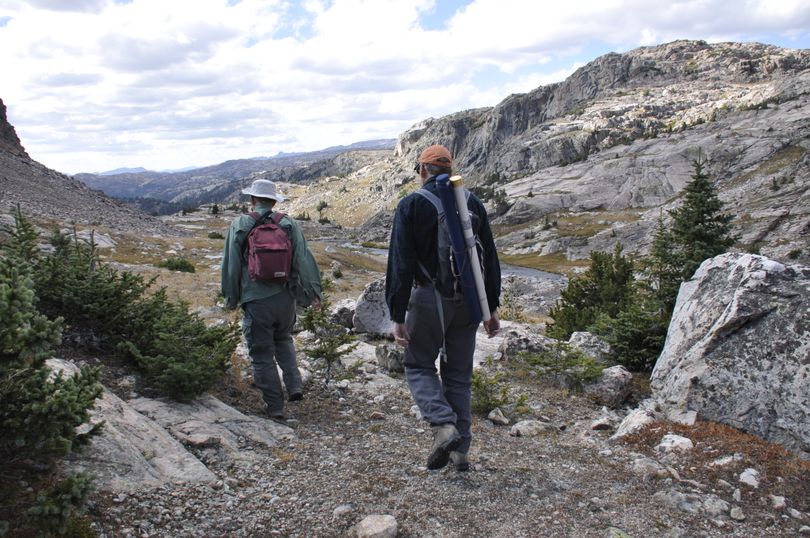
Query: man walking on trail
{"type": "Point", "coordinates": [269, 307]}
{"type": "Point", "coordinates": [413, 262]}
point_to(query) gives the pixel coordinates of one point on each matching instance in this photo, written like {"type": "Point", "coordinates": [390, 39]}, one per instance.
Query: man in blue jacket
{"type": "Point", "coordinates": [412, 303]}
{"type": "Point", "coordinates": [269, 307]}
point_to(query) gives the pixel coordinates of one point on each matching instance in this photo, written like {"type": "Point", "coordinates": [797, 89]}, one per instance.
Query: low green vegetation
{"type": "Point", "coordinates": [40, 413]}
{"type": "Point", "coordinates": [632, 314]}
{"type": "Point", "coordinates": [332, 339]}
{"type": "Point", "coordinates": [215, 235]}
{"type": "Point", "coordinates": [118, 313]}
{"type": "Point", "coordinates": [177, 264]}
{"type": "Point", "coordinates": [489, 390]}
{"type": "Point", "coordinates": [563, 361]}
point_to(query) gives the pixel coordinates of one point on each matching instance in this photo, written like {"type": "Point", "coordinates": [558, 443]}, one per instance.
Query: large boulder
{"type": "Point", "coordinates": [371, 314]}
{"type": "Point", "coordinates": [738, 349]}
{"type": "Point", "coordinates": [132, 452]}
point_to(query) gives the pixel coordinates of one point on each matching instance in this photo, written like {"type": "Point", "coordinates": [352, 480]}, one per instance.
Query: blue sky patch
{"type": "Point", "coordinates": [438, 17]}
{"type": "Point", "coordinates": [4, 21]}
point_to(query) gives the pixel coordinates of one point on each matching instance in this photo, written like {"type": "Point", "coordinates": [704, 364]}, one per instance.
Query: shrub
{"type": "Point", "coordinates": [215, 235]}
{"type": "Point", "coordinates": [795, 253]}
{"type": "Point", "coordinates": [39, 411]}
{"type": "Point", "coordinates": [563, 361]}
{"type": "Point", "coordinates": [177, 264]}
{"type": "Point", "coordinates": [178, 355]}
{"type": "Point", "coordinates": [489, 390]}
{"type": "Point", "coordinates": [333, 340]}
{"type": "Point", "coordinates": [603, 289]}
{"type": "Point", "coordinates": [636, 335]}
{"type": "Point", "coordinates": [55, 509]}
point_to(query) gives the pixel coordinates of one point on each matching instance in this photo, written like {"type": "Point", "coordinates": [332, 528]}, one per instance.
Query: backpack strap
{"type": "Point", "coordinates": [433, 199]}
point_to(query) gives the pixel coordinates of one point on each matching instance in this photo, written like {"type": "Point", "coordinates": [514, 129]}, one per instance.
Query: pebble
{"type": "Point", "coordinates": [777, 502]}
{"type": "Point", "coordinates": [342, 510]}
{"type": "Point", "coordinates": [737, 495]}
{"type": "Point", "coordinates": [804, 530]}
{"type": "Point", "coordinates": [496, 416]}
{"type": "Point", "coordinates": [795, 514]}
{"type": "Point", "coordinates": [675, 443]}
{"type": "Point", "coordinates": [750, 477]}
{"type": "Point", "coordinates": [737, 514]}
{"type": "Point", "coordinates": [376, 526]}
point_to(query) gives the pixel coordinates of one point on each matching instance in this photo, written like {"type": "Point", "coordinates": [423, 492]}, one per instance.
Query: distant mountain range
{"type": "Point", "coordinates": [214, 183]}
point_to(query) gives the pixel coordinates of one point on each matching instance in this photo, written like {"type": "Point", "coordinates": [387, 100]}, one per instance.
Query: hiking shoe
{"type": "Point", "coordinates": [295, 397]}
{"type": "Point", "coordinates": [445, 439]}
{"type": "Point", "coordinates": [276, 416]}
{"type": "Point", "coordinates": [460, 461]}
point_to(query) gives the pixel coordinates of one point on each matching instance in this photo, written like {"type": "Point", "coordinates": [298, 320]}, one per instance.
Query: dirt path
{"type": "Point", "coordinates": [356, 454]}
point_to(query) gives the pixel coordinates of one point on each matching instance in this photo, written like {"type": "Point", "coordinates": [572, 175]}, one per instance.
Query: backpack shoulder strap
{"type": "Point", "coordinates": [433, 199]}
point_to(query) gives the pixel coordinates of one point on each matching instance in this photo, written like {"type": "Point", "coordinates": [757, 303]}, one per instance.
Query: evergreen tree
{"type": "Point", "coordinates": [699, 228]}
{"type": "Point", "coordinates": [332, 339]}
{"type": "Point", "coordinates": [39, 411]}
{"type": "Point", "coordinates": [663, 268]}
{"type": "Point", "coordinates": [603, 289]}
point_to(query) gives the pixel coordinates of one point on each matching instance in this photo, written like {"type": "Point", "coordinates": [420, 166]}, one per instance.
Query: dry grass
{"type": "Point", "coordinates": [552, 263]}
{"type": "Point", "coordinates": [780, 160]}
{"type": "Point", "coordinates": [781, 472]}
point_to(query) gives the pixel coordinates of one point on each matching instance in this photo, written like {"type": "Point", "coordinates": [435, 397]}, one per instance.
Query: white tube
{"type": "Point", "coordinates": [469, 240]}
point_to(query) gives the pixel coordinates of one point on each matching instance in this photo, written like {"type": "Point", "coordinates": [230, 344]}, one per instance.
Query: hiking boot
{"type": "Point", "coordinates": [445, 439]}
{"type": "Point", "coordinates": [276, 416]}
{"type": "Point", "coordinates": [460, 461]}
{"type": "Point", "coordinates": [295, 397]}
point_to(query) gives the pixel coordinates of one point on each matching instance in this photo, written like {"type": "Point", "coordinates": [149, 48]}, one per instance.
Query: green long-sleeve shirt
{"type": "Point", "coordinates": [237, 288]}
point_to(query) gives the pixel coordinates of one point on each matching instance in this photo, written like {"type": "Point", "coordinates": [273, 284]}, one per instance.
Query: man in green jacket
{"type": "Point", "coordinates": [269, 308]}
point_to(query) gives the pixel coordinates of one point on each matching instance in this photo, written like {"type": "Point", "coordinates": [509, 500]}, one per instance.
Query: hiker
{"type": "Point", "coordinates": [269, 307]}
{"type": "Point", "coordinates": [413, 251]}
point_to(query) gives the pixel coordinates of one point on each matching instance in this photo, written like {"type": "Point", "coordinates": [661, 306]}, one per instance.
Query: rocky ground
{"type": "Point", "coordinates": [359, 451]}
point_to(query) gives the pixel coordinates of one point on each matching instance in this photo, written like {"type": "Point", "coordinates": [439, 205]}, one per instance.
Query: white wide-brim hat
{"type": "Point", "coordinates": [264, 188]}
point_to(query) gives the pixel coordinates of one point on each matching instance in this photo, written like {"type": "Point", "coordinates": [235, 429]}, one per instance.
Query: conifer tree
{"type": "Point", "coordinates": [664, 268]}
{"type": "Point", "coordinates": [699, 228]}
{"type": "Point", "coordinates": [39, 411]}
{"type": "Point", "coordinates": [332, 339]}
{"type": "Point", "coordinates": [604, 288]}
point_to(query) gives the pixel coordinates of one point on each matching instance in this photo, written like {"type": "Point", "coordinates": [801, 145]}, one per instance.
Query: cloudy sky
{"type": "Point", "coordinates": [93, 85]}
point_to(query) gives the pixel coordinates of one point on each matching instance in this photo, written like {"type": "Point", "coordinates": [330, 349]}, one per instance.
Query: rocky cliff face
{"type": "Point", "coordinates": [46, 194]}
{"type": "Point", "coordinates": [9, 142]}
{"type": "Point", "coordinates": [605, 151]}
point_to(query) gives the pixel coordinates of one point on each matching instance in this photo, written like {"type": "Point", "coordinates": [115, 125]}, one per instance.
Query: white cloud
{"type": "Point", "coordinates": [98, 84]}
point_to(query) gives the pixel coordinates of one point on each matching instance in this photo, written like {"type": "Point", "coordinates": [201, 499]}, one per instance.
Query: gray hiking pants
{"type": "Point", "coordinates": [267, 326]}
{"type": "Point", "coordinates": [445, 400]}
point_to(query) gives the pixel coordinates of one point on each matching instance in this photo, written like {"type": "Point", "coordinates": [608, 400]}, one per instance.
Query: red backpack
{"type": "Point", "coordinates": [269, 250]}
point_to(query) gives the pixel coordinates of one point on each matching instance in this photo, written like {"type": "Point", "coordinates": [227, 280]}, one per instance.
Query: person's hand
{"type": "Point", "coordinates": [401, 336]}
{"type": "Point", "coordinates": [492, 325]}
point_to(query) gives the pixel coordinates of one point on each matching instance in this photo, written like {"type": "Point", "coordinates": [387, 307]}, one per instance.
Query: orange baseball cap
{"type": "Point", "coordinates": [437, 155]}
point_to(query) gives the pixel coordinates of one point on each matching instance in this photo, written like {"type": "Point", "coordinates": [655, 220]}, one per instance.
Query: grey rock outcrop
{"type": "Point", "coordinates": [132, 452]}
{"type": "Point", "coordinates": [591, 345]}
{"type": "Point", "coordinates": [738, 347]}
{"type": "Point", "coordinates": [342, 313]}
{"type": "Point", "coordinates": [612, 145]}
{"type": "Point", "coordinates": [519, 339]}
{"type": "Point", "coordinates": [371, 314]}
{"type": "Point", "coordinates": [612, 388]}
{"type": "Point", "coordinates": [390, 357]}
{"type": "Point", "coordinates": [206, 422]}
